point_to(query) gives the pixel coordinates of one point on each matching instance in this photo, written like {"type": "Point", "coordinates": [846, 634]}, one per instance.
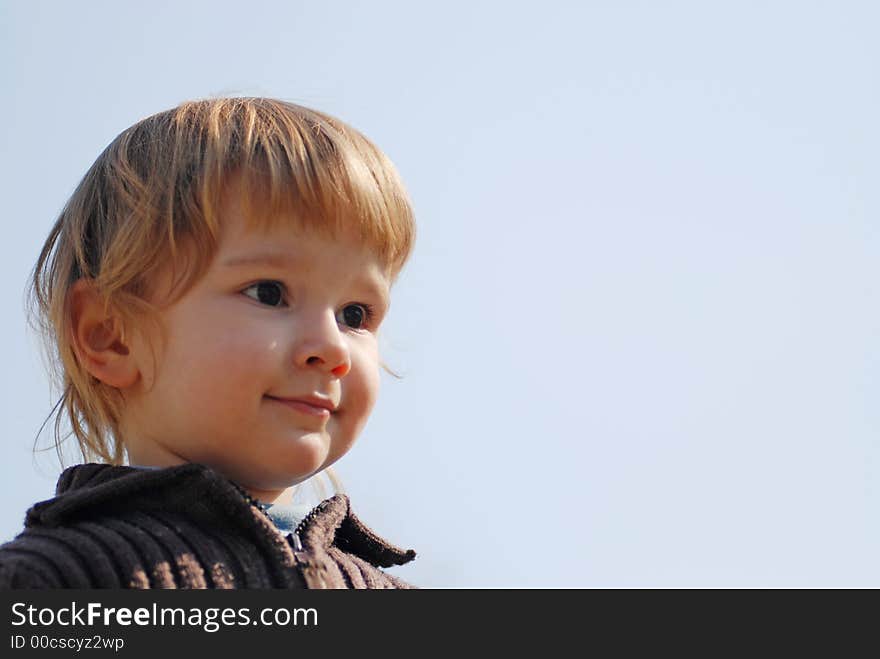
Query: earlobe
{"type": "Point", "coordinates": [98, 338]}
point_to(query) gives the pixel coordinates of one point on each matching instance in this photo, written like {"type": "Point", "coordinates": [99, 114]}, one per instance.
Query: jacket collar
{"type": "Point", "coordinates": [89, 490]}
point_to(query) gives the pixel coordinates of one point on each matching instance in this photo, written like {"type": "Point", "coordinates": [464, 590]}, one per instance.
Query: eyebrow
{"type": "Point", "coordinates": [283, 260]}
{"type": "Point", "coordinates": [276, 259]}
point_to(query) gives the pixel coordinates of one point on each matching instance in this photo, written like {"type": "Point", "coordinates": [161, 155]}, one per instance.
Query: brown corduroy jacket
{"type": "Point", "coordinates": [186, 527]}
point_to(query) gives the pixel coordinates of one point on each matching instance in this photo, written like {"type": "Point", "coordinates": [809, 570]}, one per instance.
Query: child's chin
{"type": "Point", "coordinates": [296, 472]}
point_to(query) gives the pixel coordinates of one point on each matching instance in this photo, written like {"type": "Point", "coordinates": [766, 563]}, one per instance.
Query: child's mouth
{"type": "Point", "coordinates": [310, 408]}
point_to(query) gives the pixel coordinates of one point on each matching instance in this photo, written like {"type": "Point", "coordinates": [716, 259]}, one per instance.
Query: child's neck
{"type": "Point", "coordinates": [277, 497]}
{"type": "Point", "coordinates": [283, 496]}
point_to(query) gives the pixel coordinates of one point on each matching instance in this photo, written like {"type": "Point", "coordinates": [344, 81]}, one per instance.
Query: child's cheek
{"type": "Point", "coordinates": [365, 388]}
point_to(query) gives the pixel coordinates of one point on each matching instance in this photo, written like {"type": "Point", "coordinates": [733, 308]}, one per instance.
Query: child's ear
{"type": "Point", "coordinates": [98, 338]}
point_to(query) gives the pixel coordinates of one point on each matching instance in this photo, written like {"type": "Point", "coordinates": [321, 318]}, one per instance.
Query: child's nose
{"type": "Point", "coordinates": [322, 345]}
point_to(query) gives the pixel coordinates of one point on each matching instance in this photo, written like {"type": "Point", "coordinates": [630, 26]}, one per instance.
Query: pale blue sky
{"type": "Point", "coordinates": [639, 330]}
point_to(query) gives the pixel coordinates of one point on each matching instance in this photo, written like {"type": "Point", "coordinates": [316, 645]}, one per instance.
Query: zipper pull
{"type": "Point", "coordinates": [295, 541]}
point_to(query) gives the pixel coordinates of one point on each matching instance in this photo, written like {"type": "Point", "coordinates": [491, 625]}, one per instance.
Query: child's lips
{"type": "Point", "coordinates": [311, 406]}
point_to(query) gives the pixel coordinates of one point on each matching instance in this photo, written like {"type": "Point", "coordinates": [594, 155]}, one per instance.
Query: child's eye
{"type": "Point", "coordinates": [270, 293]}
{"type": "Point", "coordinates": [356, 316]}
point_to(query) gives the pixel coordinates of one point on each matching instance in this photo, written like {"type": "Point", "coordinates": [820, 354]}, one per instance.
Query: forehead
{"type": "Point", "coordinates": [261, 248]}
{"type": "Point", "coordinates": [246, 215]}
{"type": "Point", "coordinates": [287, 237]}
{"type": "Point", "coordinates": [293, 248]}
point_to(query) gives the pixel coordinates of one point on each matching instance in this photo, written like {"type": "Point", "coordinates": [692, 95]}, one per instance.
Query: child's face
{"type": "Point", "coordinates": [280, 314]}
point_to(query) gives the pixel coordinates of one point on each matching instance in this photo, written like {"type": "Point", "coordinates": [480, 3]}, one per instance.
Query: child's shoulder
{"type": "Point", "coordinates": [100, 529]}
{"type": "Point", "coordinates": [185, 526]}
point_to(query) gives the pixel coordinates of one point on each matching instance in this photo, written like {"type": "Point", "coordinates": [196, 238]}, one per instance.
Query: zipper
{"type": "Point", "coordinates": [308, 518]}
{"type": "Point", "coordinates": [314, 512]}
{"type": "Point", "coordinates": [294, 537]}
{"type": "Point", "coordinates": [291, 538]}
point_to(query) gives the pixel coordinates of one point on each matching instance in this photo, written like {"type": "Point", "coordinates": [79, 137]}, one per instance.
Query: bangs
{"type": "Point", "coordinates": [295, 166]}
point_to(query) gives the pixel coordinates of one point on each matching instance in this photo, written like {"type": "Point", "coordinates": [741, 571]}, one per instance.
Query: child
{"type": "Point", "coordinates": [214, 288]}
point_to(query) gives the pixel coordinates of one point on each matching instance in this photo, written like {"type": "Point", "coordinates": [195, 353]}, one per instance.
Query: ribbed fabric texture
{"type": "Point", "coordinates": [186, 527]}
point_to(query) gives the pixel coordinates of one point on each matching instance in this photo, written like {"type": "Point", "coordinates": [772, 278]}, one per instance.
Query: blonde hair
{"type": "Point", "coordinates": [151, 199]}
